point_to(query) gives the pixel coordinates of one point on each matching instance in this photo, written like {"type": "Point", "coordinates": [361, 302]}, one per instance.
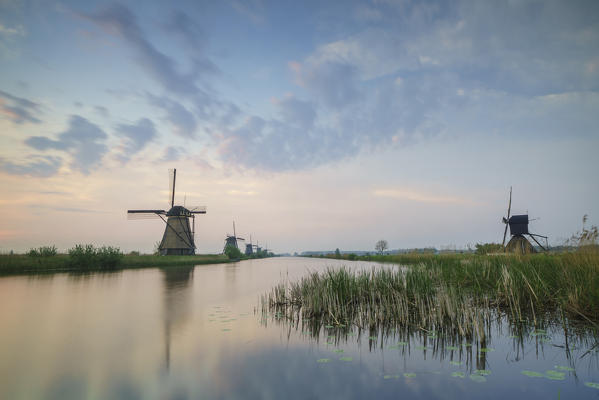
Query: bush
{"type": "Point", "coordinates": [486, 248]}
{"type": "Point", "coordinates": [88, 257]}
{"type": "Point", "coordinates": [44, 251]}
{"type": "Point", "coordinates": [351, 256]}
{"type": "Point", "coordinates": [232, 252]}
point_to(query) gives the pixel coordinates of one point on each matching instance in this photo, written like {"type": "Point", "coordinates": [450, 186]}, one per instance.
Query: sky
{"type": "Point", "coordinates": [312, 125]}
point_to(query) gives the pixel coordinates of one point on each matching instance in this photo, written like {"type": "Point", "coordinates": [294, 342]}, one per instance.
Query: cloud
{"type": "Point", "coordinates": [135, 137]}
{"type": "Point", "coordinates": [333, 82]}
{"type": "Point", "coordinates": [19, 110]}
{"type": "Point", "coordinates": [83, 140]}
{"type": "Point", "coordinates": [171, 153]}
{"type": "Point", "coordinates": [120, 21]}
{"type": "Point", "coordinates": [102, 111]}
{"type": "Point", "coordinates": [38, 166]}
{"type": "Point", "coordinates": [182, 120]}
{"type": "Point", "coordinates": [420, 197]}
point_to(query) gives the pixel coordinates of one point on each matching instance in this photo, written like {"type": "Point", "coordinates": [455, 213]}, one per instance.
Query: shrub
{"type": "Point", "coordinates": [232, 252]}
{"type": "Point", "coordinates": [44, 251]}
{"type": "Point", "coordinates": [88, 257]}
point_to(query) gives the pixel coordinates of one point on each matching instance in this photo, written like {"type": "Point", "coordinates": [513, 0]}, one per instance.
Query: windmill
{"type": "Point", "coordinates": [232, 240]}
{"type": "Point", "coordinates": [518, 228]}
{"type": "Point", "coordinates": [249, 248]}
{"type": "Point", "coordinates": [178, 237]}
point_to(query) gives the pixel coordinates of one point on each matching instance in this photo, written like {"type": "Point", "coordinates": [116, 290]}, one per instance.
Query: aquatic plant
{"type": "Point", "coordinates": [458, 295]}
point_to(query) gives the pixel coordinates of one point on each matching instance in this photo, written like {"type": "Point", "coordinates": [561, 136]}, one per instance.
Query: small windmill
{"type": "Point", "coordinates": [518, 228]}
{"type": "Point", "coordinates": [178, 237]}
{"type": "Point", "coordinates": [232, 240]}
{"type": "Point", "coordinates": [249, 248]}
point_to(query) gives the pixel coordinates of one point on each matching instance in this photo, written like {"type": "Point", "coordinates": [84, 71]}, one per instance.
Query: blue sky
{"type": "Point", "coordinates": [314, 126]}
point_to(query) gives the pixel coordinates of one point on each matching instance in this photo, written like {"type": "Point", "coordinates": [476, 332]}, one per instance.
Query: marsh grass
{"type": "Point", "coordinates": [456, 296]}
{"type": "Point", "coordinates": [17, 264]}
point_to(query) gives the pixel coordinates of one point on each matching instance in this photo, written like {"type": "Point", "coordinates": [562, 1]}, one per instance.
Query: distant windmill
{"type": "Point", "coordinates": [249, 248]}
{"type": "Point", "coordinates": [518, 228]}
{"type": "Point", "coordinates": [232, 240]}
{"type": "Point", "coordinates": [178, 237]}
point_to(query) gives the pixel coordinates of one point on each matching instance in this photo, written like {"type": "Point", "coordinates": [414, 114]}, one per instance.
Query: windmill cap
{"type": "Point", "coordinates": [519, 219]}
{"type": "Point", "coordinates": [178, 211]}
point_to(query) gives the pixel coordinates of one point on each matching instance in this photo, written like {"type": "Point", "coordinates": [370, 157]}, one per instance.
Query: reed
{"type": "Point", "coordinates": [457, 294]}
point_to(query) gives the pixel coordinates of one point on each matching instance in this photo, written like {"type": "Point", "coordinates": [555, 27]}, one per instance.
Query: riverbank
{"type": "Point", "coordinates": [18, 264]}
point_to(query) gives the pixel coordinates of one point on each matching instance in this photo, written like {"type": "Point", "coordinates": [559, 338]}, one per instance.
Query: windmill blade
{"type": "Point", "coordinates": [507, 220]}
{"type": "Point", "coordinates": [144, 214]}
{"type": "Point", "coordinates": [509, 207]}
{"type": "Point", "coordinates": [197, 210]}
{"type": "Point", "coordinates": [172, 178]}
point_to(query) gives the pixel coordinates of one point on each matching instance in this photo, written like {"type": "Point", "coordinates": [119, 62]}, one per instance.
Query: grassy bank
{"type": "Point", "coordinates": [25, 264]}
{"type": "Point", "coordinates": [457, 293]}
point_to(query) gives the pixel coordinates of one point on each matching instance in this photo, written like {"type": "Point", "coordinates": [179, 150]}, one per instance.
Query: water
{"type": "Point", "coordinates": [199, 333]}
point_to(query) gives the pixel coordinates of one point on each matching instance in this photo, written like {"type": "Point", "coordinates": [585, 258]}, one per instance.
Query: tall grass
{"type": "Point", "coordinates": [459, 295]}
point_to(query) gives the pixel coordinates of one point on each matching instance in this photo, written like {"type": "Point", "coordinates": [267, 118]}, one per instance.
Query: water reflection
{"type": "Point", "coordinates": [177, 295]}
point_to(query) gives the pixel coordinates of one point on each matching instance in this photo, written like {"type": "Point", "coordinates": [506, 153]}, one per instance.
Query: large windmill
{"type": "Point", "coordinates": [518, 228]}
{"type": "Point", "coordinates": [232, 240]}
{"type": "Point", "coordinates": [178, 237]}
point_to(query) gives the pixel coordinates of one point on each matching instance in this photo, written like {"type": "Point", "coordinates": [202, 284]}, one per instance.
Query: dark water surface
{"type": "Point", "coordinates": [199, 333]}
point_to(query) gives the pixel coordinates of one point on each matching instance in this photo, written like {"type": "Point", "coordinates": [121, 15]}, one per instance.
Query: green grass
{"type": "Point", "coordinates": [24, 264]}
{"type": "Point", "coordinates": [461, 294]}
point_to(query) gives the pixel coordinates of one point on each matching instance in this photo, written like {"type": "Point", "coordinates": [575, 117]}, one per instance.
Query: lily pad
{"type": "Point", "coordinates": [555, 375]}
{"type": "Point", "coordinates": [421, 348]}
{"type": "Point", "coordinates": [226, 330]}
{"type": "Point", "coordinates": [323, 360]}
{"type": "Point", "coordinates": [458, 374]}
{"type": "Point", "coordinates": [338, 350]}
{"type": "Point", "coordinates": [390, 376]}
{"type": "Point", "coordinates": [532, 374]}
{"type": "Point", "coordinates": [409, 375]}
{"type": "Point", "coordinates": [563, 368]}
{"type": "Point", "coordinates": [468, 345]}
{"type": "Point", "coordinates": [346, 359]}
{"type": "Point", "coordinates": [329, 342]}
{"type": "Point", "coordinates": [329, 326]}
{"type": "Point", "coordinates": [452, 348]}
{"type": "Point", "coordinates": [593, 385]}
{"type": "Point", "coordinates": [487, 349]}
{"type": "Point", "coordinates": [478, 378]}
{"type": "Point", "coordinates": [482, 372]}
{"type": "Point", "coordinates": [455, 362]}
{"type": "Point", "coordinates": [402, 343]}
{"type": "Point", "coordinates": [372, 337]}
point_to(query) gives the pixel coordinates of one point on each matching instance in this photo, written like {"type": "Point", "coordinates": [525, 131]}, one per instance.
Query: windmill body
{"type": "Point", "coordinates": [178, 237]}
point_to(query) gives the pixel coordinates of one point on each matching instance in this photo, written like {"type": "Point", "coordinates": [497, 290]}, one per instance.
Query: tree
{"type": "Point", "coordinates": [381, 246]}
{"type": "Point", "coordinates": [337, 253]}
{"type": "Point", "coordinates": [232, 252]}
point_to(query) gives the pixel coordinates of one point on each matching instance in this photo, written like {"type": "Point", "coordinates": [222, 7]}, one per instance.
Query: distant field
{"type": "Point", "coordinates": [24, 264]}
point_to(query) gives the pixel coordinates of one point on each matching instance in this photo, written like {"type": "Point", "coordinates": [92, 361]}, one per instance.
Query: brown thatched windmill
{"type": "Point", "coordinates": [178, 237]}
{"type": "Point", "coordinates": [518, 228]}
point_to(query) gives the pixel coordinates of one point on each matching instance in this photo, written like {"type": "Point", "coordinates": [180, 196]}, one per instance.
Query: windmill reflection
{"type": "Point", "coordinates": [177, 302]}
